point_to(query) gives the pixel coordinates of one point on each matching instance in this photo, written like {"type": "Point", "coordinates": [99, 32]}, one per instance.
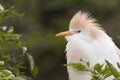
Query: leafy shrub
{"type": "Point", "coordinates": [99, 71]}
{"type": "Point", "coordinates": [13, 50]}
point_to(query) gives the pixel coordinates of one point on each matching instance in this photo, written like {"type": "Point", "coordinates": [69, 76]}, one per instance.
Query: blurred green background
{"type": "Point", "coordinates": [44, 18]}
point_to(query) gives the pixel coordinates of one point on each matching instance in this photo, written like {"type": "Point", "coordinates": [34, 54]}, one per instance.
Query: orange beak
{"type": "Point", "coordinates": [66, 33]}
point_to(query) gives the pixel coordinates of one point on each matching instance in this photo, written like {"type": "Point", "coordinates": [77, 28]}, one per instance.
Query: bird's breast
{"type": "Point", "coordinates": [76, 50]}
{"type": "Point", "coordinates": [96, 51]}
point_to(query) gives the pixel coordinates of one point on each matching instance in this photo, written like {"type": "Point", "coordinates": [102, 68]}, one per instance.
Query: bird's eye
{"type": "Point", "coordinates": [77, 31]}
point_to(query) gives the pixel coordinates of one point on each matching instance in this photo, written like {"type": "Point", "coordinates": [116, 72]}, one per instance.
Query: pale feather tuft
{"type": "Point", "coordinates": [84, 21]}
{"type": "Point", "coordinates": [81, 20]}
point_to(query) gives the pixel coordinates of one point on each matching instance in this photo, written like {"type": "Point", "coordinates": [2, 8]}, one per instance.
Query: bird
{"type": "Point", "coordinates": [87, 40]}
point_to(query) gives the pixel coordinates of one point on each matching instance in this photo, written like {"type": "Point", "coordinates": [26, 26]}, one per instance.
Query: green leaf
{"type": "Point", "coordinates": [118, 64]}
{"type": "Point", "coordinates": [98, 67]}
{"type": "Point", "coordinates": [16, 14]}
{"type": "Point", "coordinates": [78, 66]}
{"type": "Point", "coordinates": [116, 78]}
{"type": "Point", "coordinates": [107, 74]}
{"type": "Point", "coordinates": [18, 78]}
{"type": "Point", "coordinates": [88, 64]}
{"type": "Point", "coordinates": [31, 61]}
{"type": "Point", "coordinates": [33, 67]}
{"type": "Point", "coordinates": [22, 44]}
{"type": "Point", "coordinates": [113, 70]}
{"type": "Point", "coordinates": [6, 72]}
{"type": "Point", "coordinates": [24, 50]}
{"type": "Point", "coordinates": [2, 63]}
{"type": "Point", "coordinates": [35, 70]}
{"type": "Point", "coordinates": [16, 71]}
{"type": "Point", "coordinates": [10, 29]}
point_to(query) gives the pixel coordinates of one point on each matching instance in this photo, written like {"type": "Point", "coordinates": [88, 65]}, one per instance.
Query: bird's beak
{"type": "Point", "coordinates": [66, 33]}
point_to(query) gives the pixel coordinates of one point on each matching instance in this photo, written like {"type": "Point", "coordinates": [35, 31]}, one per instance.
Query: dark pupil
{"type": "Point", "coordinates": [77, 31]}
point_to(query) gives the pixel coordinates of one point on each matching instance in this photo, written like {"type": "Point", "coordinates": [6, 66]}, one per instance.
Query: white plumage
{"type": "Point", "coordinates": [86, 40]}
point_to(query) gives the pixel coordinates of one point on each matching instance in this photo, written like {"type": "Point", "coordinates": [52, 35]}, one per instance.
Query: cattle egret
{"type": "Point", "coordinates": [87, 41]}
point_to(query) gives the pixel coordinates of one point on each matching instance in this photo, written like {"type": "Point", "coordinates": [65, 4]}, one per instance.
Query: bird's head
{"type": "Point", "coordinates": [82, 25]}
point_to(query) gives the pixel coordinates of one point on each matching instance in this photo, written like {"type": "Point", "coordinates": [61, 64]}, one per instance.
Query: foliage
{"type": "Point", "coordinates": [11, 47]}
{"type": "Point", "coordinates": [99, 71]}
{"type": "Point", "coordinates": [44, 18]}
